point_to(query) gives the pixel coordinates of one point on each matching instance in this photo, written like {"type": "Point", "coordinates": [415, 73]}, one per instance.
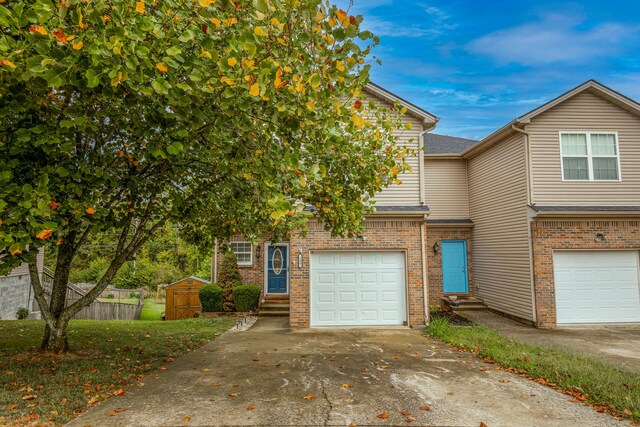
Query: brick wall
{"type": "Point", "coordinates": [14, 294]}
{"type": "Point", "coordinates": [381, 234]}
{"type": "Point", "coordinates": [254, 273]}
{"type": "Point", "coordinates": [548, 235]}
{"type": "Point", "coordinates": [434, 261]}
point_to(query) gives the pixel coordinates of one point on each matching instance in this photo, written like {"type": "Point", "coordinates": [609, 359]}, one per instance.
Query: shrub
{"type": "Point", "coordinates": [110, 296]}
{"type": "Point", "coordinates": [228, 276]}
{"type": "Point", "coordinates": [22, 313]}
{"type": "Point", "coordinates": [211, 298]}
{"type": "Point", "coordinates": [134, 295]}
{"type": "Point", "coordinates": [246, 297]}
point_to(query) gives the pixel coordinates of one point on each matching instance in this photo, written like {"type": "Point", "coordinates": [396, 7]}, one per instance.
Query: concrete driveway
{"type": "Point", "coordinates": [271, 375]}
{"type": "Point", "coordinates": [619, 345]}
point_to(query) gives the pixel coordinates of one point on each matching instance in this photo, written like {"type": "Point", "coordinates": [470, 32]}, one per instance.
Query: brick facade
{"type": "Point", "coordinates": [381, 234]}
{"type": "Point", "coordinates": [434, 260]}
{"type": "Point", "coordinates": [251, 274]}
{"type": "Point", "coordinates": [548, 235]}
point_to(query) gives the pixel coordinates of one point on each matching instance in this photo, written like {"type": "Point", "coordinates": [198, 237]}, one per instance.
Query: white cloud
{"type": "Point", "coordinates": [555, 38]}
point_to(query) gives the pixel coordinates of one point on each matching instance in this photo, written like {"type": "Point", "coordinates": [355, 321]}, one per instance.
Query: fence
{"type": "Point", "coordinates": [97, 310]}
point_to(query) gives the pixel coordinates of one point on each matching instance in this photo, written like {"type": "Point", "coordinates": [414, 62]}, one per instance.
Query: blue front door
{"type": "Point", "coordinates": [277, 269]}
{"type": "Point", "coordinates": [454, 267]}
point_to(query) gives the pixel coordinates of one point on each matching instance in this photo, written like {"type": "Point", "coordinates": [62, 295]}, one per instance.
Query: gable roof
{"type": "Point", "coordinates": [590, 86]}
{"type": "Point", "coordinates": [426, 117]}
{"type": "Point", "coordinates": [444, 144]}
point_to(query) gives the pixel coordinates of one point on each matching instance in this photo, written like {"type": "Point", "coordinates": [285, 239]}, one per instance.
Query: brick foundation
{"type": "Point", "coordinates": [548, 235]}
{"type": "Point", "coordinates": [434, 260]}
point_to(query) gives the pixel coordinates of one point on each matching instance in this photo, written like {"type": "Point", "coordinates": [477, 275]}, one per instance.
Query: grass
{"type": "Point", "coordinates": [607, 387]}
{"type": "Point", "coordinates": [106, 358]}
{"type": "Point", "coordinates": [152, 310]}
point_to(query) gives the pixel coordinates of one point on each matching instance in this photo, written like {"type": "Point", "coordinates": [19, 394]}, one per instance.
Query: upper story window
{"type": "Point", "coordinates": [590, 156]}
{"type": "Point", "coordinates": [243, 251]}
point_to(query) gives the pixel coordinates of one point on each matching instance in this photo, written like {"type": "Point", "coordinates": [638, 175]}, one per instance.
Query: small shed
{"type": "Point", "coordinates": [183, 301]}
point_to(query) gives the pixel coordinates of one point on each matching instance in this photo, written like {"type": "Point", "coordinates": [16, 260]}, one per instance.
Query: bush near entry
{"type": "Point", "coordinates": [211, 298]}
{"type": "Point", "coordinates": [246, 297]}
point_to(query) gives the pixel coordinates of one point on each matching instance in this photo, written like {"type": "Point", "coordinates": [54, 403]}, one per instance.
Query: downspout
{"type": "Point", "coordinates": [423, 225]}
{"type": "Point", "coordinates": [530, 202]}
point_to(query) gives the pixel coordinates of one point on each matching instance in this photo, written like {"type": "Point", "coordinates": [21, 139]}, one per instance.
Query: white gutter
{"type": "Point", "coordinates": [425, 290]}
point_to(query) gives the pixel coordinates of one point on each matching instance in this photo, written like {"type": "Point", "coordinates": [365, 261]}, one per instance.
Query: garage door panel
{"type": "Point", "coordinates": [596, 287]}
{"type": "Point", "coordinates": [358, 288]}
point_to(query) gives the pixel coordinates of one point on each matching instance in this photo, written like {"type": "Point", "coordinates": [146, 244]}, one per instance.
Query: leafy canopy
{"type": "Point", "coordinates": [224, 117]}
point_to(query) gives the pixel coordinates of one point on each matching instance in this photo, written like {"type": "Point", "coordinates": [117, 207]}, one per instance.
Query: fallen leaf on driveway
{"type": "Point", "coordinates": [425, 407]}
{"type": "Point", "coordinates": [383, 416]}
{"type": "Point", "coordinates": [482, 424]}
{"type": "Point", "coordinates": [119, 410]}
{"type": "Point", "coordinates": [405, 413]}
{"type": "Point", "coordinates": [346, 386]}
{"type": "Point", "coordinates": [409, 419]}
{"type": "Point", "coordinates": [250, 408]}
{"type": "Point", "coordinates": [310, 397]}
{"type": "Point", "coordinates": [282, 372]}
{"type": "Point", "coordinates": [353, 424]}
{"type": "Point", "coordinates": [119, 392]}
{"type": "Point", "coordinates": [504, 381]}
{"type": "Point", "coordinates": [185, 419]}
{"type": "Point", "coordinates": [232, 394]}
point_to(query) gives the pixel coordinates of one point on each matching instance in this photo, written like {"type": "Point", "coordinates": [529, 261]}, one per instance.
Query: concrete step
{"type": "Point", "coordinates": [463, 303]}
{"type": "Point", "coordinates": [274, 307]}
{"type": "Point", "coordinates": [263, 313]}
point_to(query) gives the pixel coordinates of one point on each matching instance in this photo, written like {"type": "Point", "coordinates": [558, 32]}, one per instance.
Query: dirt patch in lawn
{"type": "Point", "coordinates": [453, 318]}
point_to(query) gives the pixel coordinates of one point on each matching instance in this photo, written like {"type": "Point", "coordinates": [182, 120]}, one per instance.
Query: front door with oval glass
{"type": "Point", "coordinates": [277, 269]}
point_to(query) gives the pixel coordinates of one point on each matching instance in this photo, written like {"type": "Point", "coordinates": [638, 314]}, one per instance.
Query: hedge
{"type": "Point", "coordinates": [246, 297]}
{"type": "Point", "coordinates": [211, 298]}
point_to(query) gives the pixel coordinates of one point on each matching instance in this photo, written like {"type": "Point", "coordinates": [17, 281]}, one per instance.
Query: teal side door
{"type": "Point", "coordinates": [454, 267]}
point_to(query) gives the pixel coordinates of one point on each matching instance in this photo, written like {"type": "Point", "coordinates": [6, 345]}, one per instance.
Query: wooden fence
{"type": "Point", "coordinates": [97, 310]}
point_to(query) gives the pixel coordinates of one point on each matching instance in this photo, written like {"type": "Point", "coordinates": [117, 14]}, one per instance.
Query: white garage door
{"type": "Point", "coordinates": [596, 287]}
{"type": "Point", "coordinates": [357, 288]}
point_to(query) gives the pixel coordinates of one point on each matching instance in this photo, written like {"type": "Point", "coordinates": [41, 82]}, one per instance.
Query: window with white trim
{"type": "Point", "coordinates": [589, 156]}
{"type": "Point", "coordinates": [243, 251]}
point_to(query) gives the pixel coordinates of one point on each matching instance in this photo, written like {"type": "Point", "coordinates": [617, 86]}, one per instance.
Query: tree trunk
{"type": "Point", "coordinates": [55, 339]}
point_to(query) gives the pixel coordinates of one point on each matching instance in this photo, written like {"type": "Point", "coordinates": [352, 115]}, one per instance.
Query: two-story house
{"type": "Point", "coordinates": [549, 204]}
{"type": "Point", "coordinates": [541, 219]}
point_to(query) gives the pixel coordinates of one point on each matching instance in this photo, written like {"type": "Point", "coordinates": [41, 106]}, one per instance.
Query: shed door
{"type": "Point", "coordinates": [596, 286]}
{"type": "Point", "coordinates": [186, 303]}
{"type": "Point", "coordinates": [358, 288]}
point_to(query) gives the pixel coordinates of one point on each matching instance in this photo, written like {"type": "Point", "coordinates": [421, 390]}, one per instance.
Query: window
{"type": "Point", "coordinates": [243, 251]}
{"type": "Point", "coordinates": [589, 156]}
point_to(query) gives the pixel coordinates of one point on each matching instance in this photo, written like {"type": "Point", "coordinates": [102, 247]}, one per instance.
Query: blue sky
{"type": "Point", "coordinates": [477, 64]}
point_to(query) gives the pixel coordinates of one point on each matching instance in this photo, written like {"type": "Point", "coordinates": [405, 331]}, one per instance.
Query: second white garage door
{"type": "Point", "coordinates": [358, 288]}
{"type": "Point", "coordinates": [596, 286]}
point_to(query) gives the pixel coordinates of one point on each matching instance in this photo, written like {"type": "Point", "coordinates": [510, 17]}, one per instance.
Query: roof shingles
{"type": "Point", "coordinates": [443, 144]}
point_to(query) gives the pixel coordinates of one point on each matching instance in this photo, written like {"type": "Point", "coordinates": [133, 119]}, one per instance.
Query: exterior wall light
{"type": "Point", "coordinates": [600, 237]}
{"type": "Point", "coordinates": [300, 258]}
{"type": "Point", "coordinates": [436, 247]}
{"type": "Point", "coordinates": [258, 251]}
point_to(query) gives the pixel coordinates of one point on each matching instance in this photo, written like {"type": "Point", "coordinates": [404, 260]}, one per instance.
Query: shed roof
{"type": "Point", "coordinates": [190, 277]}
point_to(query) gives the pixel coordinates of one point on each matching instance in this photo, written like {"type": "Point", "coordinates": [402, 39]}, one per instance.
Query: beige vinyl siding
{"type": "Point", "coordinates": [407, 193]}
{"type": "Point", "coordinates": [24, 268]}
{"type": "Point", "coordinates": [446, 188]}
{"type": "Point", "coordinates": [584, 112]}
{"type": "Point", "coordinates": [498, 208]}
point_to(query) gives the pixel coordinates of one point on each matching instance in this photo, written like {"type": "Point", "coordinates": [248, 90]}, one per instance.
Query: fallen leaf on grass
{"type": "Point", "coordinates": [250, 408]}
{"type": "Point", "coordinates": [93, 401]}
{"type": "Point", "coordinates": [119, 392]}
{"type": "Point", "coordinates": [30, 397]}
{"type": "Point", "coordinates": [310, 397]}
{"type": "Point", "coordinates": [383, 416]}
{"type": "Point", "coordinates": [11, 407]}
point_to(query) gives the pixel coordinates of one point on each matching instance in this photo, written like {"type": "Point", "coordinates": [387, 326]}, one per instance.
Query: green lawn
{"type": "Point", "coordinates": [152, 310]}
{"type": "Point", "coordinates": [106, 358]}
{"type": "Point", "coordinates": [607, 387]}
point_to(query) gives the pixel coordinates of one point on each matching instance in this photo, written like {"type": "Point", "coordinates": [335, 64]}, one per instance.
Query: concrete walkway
{"type": "Point", "coordinates": [272, 375]}
{"type": "Point", "coordinates": [619, 345]}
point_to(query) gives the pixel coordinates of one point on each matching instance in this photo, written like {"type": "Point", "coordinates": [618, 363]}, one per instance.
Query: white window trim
{"type": "Point", "coordinates": [250, 251]}
{"type": "Point", "coordinates": [589, 155]}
